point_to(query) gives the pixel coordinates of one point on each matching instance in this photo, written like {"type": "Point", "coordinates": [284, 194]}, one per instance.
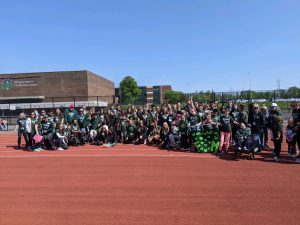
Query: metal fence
{"type": "Point", "coordinates": [283, 97]}
{"type": "Point", "coordinates": [10, 108]}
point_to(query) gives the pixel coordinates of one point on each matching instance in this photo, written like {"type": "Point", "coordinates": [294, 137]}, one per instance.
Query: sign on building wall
{"type": "Point", "coordinates": [8, 84]}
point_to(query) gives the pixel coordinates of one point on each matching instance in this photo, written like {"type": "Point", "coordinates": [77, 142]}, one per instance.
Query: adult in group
{"type": "Point", "coordinates": [47, 131]}
{"type": "Point", "coordinates": [30, 129]}
{"type": "Point", "coordinates": [70, 114]}
{"type": "Point", "coordinates": [273, 112]}
{"type": "Point", "coordinates": [255, 121]}
{"type": "Point", "coordinates": [21, 129]}
{"type": "Point", "coordinates": [296, 119]}
{"type": "Point", "coordinates": [264, 132]}
{"type": "Point", "coordinates": [59, 119]}
{"type": "Point", "coordinates": [242, 116]}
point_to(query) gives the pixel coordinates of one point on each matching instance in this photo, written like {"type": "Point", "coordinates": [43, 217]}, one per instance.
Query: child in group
{"type": "Point", "coordinates": [291, 135]}
{"type": "Point", "coordinates": [77, 133]}
{"type": "Point", "coordinates": [225, 130]}
{"type": "Point", "coordinates": [154, 136]}
{"type": "Point", "coordinates": [142, 131]}
{"type": "Point", "coordinates": [61, 140]}
{"type": "Point", "coordinates": [131, 131]}
{"type": "Point", "coordinates": [277, 136]}
{"type": "Point", "coordinates": [112, 137]}
{"type": "Point", "coordinates": [164, 135]}
{"type": "Point", "coordinates": [102, 134]}
{"type": "Point", "coordinates": [243, 138]}
{"type": "Point", "coordinates": [173, 136]}
{"type": "Point", "coordinates": [183, 129]}
{"type": "Point", "coordinates": [122, 128]}
{"type": "Point", "coordinates": [94, 126]}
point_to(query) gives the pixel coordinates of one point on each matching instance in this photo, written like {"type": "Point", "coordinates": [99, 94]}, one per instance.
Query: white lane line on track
{"type": "Point", "coordinates": [119, 155]}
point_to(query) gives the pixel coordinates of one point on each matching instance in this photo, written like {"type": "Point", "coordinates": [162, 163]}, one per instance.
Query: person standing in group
{"type": "Point", "coordinates": [70, 114]}
{"type": "Point", "coordinates": [59, 120]}
{"type": "Point", "coordinates": [242, 116]}
{"type": "Point", "coordinates": [21, 129]}
{"type": "Point", "coordinates": [264, 132]}
{"type": "Point", "coordinates": [273, 112]}
{"type": "Point", "coordinates": [255, 120]}
{"type": "Point", "coordinates": [296, 119]}
{"type": "Point", "coordinates": [291, 136]}
{"type": "Point", "coordinates": [183, 129]}
{"type": "Point", "coordinates": [30, 129]}
{"type": "Point", "coordinates": [277, 136]}
{"type": "Point", "coordinates": [225, 130]}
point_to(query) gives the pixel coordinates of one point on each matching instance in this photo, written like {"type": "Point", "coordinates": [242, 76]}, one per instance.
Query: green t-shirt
{"type": "Point", "coordinates": [131, 131]}
{"type": "Point", "coordinates": [225, 122]}
{"type": "Point", "coordinates": [183, 126]}
{"type": "Point", "coordinates": [243, 133]}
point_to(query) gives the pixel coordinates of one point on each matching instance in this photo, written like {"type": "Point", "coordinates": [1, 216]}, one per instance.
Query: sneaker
{"type": "Point", "coordinates": [276, 159]}
{"type": "Point", "coordinates": [267, 146]}
{"type": "Point", "coordinates": [245, 149]}
{"type": "Point", "coordinates": [297, 160]}
{"type": "Point", "coordinates": [293, 156]}
{"type": "Point", "coordinates": [239, 148]}
{"type": "Point", "coordinates": [60, 149]}
{"type": "Point", "coordinates": [145, 142]}
{"type": "Point", "coordinates": [256, 150]}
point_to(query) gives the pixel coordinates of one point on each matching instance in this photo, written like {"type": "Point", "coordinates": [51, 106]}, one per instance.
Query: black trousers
{"type": "Point", "coordinates": [48, 141]}
{"type": "Point", "coordinates": [277, 146]}
{"type": "Point", "coordinates": [184, 141]}
{"type": "Point", "coordinates": [30, 138]}
{"type": "Point", "coordinates": [24, 133]}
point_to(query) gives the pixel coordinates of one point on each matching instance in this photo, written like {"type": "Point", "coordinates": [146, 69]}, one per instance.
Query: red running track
{"type": "Point", "coordinates": [143, 185]}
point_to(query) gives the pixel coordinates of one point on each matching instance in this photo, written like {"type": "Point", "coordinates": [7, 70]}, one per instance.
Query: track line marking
{"type": "Point", "coordinates": [118, 155]}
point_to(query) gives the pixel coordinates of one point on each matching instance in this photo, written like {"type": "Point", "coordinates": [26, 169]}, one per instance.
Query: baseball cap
{"type": "Point", "coordinates": [274, 105]}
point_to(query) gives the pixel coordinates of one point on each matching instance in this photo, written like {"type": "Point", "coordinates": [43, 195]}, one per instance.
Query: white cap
{"type": "Point", "coordinates": [274, 104]}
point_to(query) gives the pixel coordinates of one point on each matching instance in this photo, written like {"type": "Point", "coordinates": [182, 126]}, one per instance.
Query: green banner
{"type": "Point", "coordinates": [206, 138]}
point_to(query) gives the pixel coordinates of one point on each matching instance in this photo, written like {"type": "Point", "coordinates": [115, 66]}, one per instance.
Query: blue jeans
{"type": "Point", "coordinates": [256, 140]}
{"type": "Point", "coordinates": [264, 136]}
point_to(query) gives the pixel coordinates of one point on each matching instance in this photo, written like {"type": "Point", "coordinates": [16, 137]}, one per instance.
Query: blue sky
{"type": "Point", "coordinates": [192, 45]}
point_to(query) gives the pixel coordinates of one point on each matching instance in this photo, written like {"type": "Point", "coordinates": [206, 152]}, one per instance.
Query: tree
{"type": "Point", "coordinates": [129, 91]}
{"type": "Point", "coordinates": [293, 92]}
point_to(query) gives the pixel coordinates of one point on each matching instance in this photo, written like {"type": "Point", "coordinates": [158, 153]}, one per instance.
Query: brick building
{"type": "Point", "coordinates": [150, 94]}
{"type": "Point", "coordinates": [66, 86]}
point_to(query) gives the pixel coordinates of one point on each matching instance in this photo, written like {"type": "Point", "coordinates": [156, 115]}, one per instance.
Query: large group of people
{"type": "Point", "coordinates": [167, 126]}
